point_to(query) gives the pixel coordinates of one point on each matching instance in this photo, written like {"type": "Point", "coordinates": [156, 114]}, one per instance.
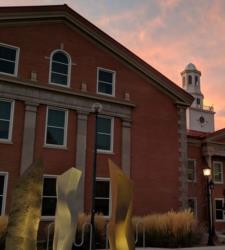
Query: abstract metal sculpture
{"type": "Point", "coordinates": [24, 216]}
{"type": "Point", "coordinates": [120, 227]}
{"type": "Point", "coordinates": [67, 209]}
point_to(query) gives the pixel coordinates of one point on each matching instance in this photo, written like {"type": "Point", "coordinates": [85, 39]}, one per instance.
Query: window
{"type": "Point", "coordinates": [191, 170]}
{"type": "Point", "coordinates": [217, 172]}
{"type": "Point", "coordinates": [9, 59]}
{"type": "Point", "coordinates": [102, 198]}
{"type": "Point", "coordinates": [3, 190]}
{"type": "Point", "coordinates": [219, 205]}
{"type": "Point", "coordinates": [183, 81]}
{"type": "Point", "coordinates": [106, 82]}
{"type": "Point", "coordinates": [196, 80]}
{"type": "Point", "coordinates": [105, 134]}
{"type": "Point", "coordinates": [49, 198]}
{"type": "Point", "coordinates": [189, 79]}
{"type": "Point", "coordinates": [6, 119]}
{"type": "Point", "coordinates": [60, 68]}
{"type": "Point", "coordinates": [56, 130]}
{"type": "Point", "coordinates": [198, 101]}
{"type": "Point", "coordinates": [192, 204]}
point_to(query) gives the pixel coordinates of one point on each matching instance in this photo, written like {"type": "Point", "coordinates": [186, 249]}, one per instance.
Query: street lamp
{"type": "Point", "coordinates": [210, 185]}
{"type": "Point", "coordinates": [96, 109]}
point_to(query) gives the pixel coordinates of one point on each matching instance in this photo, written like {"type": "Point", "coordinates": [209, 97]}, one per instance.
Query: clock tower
{"type": "Point", "coordinates": [199, 117]}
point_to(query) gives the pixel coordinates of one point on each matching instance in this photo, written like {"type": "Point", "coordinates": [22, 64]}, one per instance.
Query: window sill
{"type": "Point", "coordinates": [59, 85]}
{"type": "Point", "coordinates": [216, 182]}
{"type": "Point", "coordinates": [55, 146]}
{"type": "Point", "coordinates": [47, 218]}
{"type": "Point", "coordinates": [223, 221]}
{"type": "Point", "coordinates": [106, 152]}
{"type": "Point", "coordinates": [7, 74]}
{"type": "Point", "coordinates": [5, 141]}
{"type": "Point", "coordinates": [109, 95]}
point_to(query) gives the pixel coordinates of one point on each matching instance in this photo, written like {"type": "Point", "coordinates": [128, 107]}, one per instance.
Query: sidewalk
{"type": "Point", "coordinates": [187, 248]}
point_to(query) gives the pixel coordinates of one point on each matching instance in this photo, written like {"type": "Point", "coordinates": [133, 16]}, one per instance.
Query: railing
{"type": "Point", "coordinates": [81, 243]}
{"type": "Point", "coordinates": [209, 108]}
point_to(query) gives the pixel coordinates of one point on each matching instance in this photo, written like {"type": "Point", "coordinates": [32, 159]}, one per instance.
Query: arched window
{"type": "Point", "coordinates": [60, 67]}
{"type": "Point", "coordinates": [189, 79]}
{"type": "Point", "coordinates": [183, 81]}
{"type": "Point", "coordinates": [196, 81]}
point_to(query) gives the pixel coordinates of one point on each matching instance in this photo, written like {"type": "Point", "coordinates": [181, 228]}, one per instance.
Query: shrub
{"type": "Point", "coordinates": [3, 230]}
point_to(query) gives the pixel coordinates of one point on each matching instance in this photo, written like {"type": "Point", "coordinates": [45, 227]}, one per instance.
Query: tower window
{"type": "Point", "coordinates": [183, 81]}
{"type": "Point", "coordinates": [189, 79]}
{"type": "Point", "coordinates": [196, 80]}
{"type": "Point", "coordinates": [198, 101]}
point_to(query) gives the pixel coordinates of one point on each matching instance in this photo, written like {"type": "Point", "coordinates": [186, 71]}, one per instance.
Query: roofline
{"type": "Point", "coordinates": [64, 12]}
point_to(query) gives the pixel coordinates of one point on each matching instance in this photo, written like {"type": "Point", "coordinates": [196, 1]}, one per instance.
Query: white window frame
{"type": "Point", "coordinates": [111, 136]}
{"type": "Point", "coordinates": [9, 140]}
{"type": "Point", "coordinates": [196, 206]}
{"type": "Point", "coordinates": [4, 195]}
{"type": "Point", "coordinates": [69, 68]}
{"type": "Point", "coordinates": [219, 199]}
{"type": "Point", "coordinates": [213, 172]}
{"type": "Point", "coordinates": [195, 170]}
{"type": "Point", "coordinates": [48, 217]}
{"type": "Point", "coordinates": [16, 59]}
{"type": "Point", "coordinates": [64, 146]}
{"type": "Point", "coordinates": [110, 195]}
{"type": "Point", "coordinates": [113, 81]}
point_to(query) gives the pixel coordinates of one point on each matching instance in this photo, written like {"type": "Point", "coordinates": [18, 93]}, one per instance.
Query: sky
{"type": "Point", "coordinates": [167, 34]}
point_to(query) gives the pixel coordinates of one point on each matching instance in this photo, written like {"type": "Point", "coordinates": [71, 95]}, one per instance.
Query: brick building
{"type": "Point", "coordinates": [54, 65]}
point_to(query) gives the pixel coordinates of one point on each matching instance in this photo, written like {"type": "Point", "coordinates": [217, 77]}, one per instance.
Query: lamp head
{"type": "Point", "coordinates": [207, 171]}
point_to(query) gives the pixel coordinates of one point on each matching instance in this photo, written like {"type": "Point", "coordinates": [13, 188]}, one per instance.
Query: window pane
{"type": "Point", "coordinates": [60, 57]}
{"type": "Point", "coordinates": [102, 206]}
{"type": "Point", "coordinates": [5, 109]}
{"type": "Point", "coordinates": [48, 206]}
{"type": "Point", "coordinates": [102, 189]}
{"type": "Point", "coordinates": [219, 204]}
{"type": "Point", "coordinates": [7, 53]}
{"type": "Point", "coordinates": [105, 88]}
{"type": "Point", "coordinates": [60, 79]}
{"type": "Point", "coordinates": [49, 188]}
{"type": "Point", "coordinates": [103, 142]}
{"type": "Point", "coordinates": [103, 125]}
{"type": "Point", "coordinates": [7, 67]}
{"type": "Point", "coordinates": [59, 68]}
{"type": "Point", "coordinates": [56, 118]}
{"type": "Point", "coordinates": [219, 214]}
{"type": "Point", "coordinates": [1, 198]}
{"type": "Point", "coordinates": [55, 136]}
{"type": "Point", "coordinates": [105, 76]}
{"type": "Point", "coordinates": [2, 179]}
{"type": "Point", "coordinates": [4, 129]}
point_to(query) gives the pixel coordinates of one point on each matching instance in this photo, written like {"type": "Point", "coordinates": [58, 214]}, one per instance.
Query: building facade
{"type": "Point", "coordinates": [54, 66]}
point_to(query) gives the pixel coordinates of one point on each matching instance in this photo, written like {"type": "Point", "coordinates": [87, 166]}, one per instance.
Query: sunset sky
{"type": "Point", "coordinates": [168, 34]}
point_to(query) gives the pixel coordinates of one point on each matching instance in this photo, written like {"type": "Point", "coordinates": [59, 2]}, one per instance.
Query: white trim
{"type": "Point", "coordinates": [195, 170]}
{"type": "Point", "coordinates": [113, 81]}
{"type": "Point", "coordinates": [110, 195]}
{"type": "Point", "coordinates": [44, 217]}
{"type": "Point", "coordinates": [5, 188]}
{"type": "Point", "coordinates": [16, 59]}
{"type": "Point", "coordinates": [195, 204]}
{"type": "Point", "coordinates": [111, 151]}
{"type": "Point", "coordinates": [222, 172]}
{"type": "Point", "coordinates": [69, 68]}
{"type": "Point", "coordinates": [64, 145]}
{"type": "Point", "coordinates": [11, 121]}
{"type": "Point", "coordinates": [219, 199]}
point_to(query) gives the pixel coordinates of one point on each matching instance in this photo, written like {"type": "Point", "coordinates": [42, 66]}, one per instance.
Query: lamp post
{"type": "Point", "coordinates": [210, 184]}
{"type": "Point", "coordinates": [96, 109]}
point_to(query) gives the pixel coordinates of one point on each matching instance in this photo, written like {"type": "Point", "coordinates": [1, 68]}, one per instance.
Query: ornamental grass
{"type": "Point", "coordinates": [3, 230]}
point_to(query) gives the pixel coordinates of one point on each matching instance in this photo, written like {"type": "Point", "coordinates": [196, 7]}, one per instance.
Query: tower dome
{"type": "Point", "coordinates": [190, 66]}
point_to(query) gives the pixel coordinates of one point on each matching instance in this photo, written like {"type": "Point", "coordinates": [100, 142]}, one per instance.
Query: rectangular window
{"type": "Point", "coordinates": [102, 199]}
{"type": "Point", "coordinates": [6, 119]}
{"type": "Point", "coordinates": [106, 82]}
{"type": "Point", "coordinates": [191, 170]}
{"type": "Point", "coordinates": [105, 134]}
{"type": "Point", "coordinates": [9, 59]}
{"type": "Point", "coordinates": [192, 204]}
{"type": "Point", "coordinates": [49, 198]}
{"type": "Point", "coordinates": [219, 205]}
{"type": "Point", "coordinates": [56, 131]}
{"type": "Point", "coordinates": [3, 190]}
{"type": "Point", "coordinates": [217, 172]}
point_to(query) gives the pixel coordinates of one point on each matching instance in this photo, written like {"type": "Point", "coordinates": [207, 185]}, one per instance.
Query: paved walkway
{"type": "Point", "coordinates": [187, 248]}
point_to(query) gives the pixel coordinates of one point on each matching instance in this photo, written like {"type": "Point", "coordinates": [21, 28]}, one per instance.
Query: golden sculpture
{"type": "Point", "coordinates": [120, 227]}
{"type": "Point", "coordinates": [25, 212]}
{"type": "Point", "coordinates": [66, 210]}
